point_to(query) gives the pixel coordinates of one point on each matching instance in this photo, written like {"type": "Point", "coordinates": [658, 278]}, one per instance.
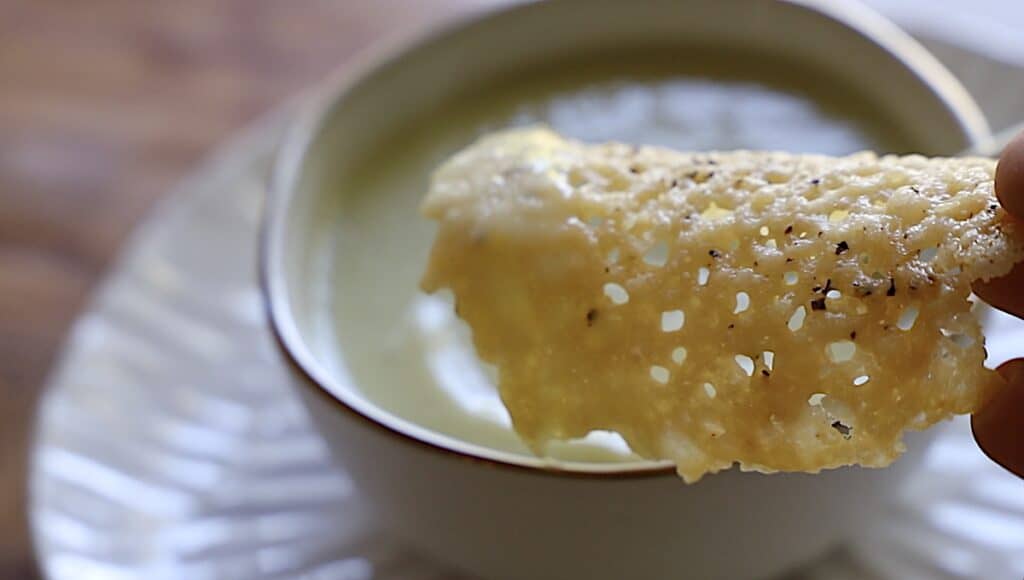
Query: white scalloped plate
{"type": "Point", "coordinates": [169, 445]}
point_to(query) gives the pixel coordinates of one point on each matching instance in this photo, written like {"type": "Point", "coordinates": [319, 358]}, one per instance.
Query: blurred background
{"type": "Point", "coordinates": [105, 104]}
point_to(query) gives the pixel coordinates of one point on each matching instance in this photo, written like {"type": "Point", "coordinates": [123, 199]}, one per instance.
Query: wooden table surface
{"type": "Point", "coordinates": [104, 105]}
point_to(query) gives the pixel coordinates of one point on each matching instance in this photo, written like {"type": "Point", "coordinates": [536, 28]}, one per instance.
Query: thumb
{"type": "Point", "coordinates": [999, 426]}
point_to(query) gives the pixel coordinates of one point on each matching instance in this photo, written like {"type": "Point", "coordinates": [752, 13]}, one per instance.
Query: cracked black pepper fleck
{"type": "Point", "coordinates": [844, 430]}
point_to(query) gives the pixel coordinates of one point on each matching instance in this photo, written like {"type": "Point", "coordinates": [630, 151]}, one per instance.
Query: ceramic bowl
{"type": "Point", "coordinates": [506, 515]}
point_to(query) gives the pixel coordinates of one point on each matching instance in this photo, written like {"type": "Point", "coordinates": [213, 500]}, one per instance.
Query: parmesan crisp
{"type": "Point", "coordinates": [783, 312]}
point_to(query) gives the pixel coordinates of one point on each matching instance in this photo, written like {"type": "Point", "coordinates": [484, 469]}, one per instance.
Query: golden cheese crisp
{"type": "Point", "coordinates": [786, 312]}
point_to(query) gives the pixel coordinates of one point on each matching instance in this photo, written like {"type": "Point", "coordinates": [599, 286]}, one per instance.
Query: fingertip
{"type": "Point", "coordinates": [1012, 372]}
{"type": "Point", "coordinates": [999, 426]}
{"type": "Point", "coordinates": [1004, 293]}
{"type": "Point", "coordinates": [1009, 180]}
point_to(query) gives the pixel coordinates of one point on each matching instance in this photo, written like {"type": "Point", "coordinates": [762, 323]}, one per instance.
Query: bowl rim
{"type": "Point", "coordinates": [322, 99]}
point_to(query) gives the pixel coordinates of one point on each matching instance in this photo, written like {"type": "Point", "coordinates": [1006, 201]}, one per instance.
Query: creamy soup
{"type": "Point", "coordinates": [408, 352]}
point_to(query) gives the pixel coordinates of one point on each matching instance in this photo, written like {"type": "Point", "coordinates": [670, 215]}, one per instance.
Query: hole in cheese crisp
{"type": "Point", "coordinates": [929, 254]}
{"type": "Point", "coordinates": [746, 363]}
{"type": "Point", "coordinates": [525, 292]}
{"type": "Point", "coordinates": [742, 302]}
{"type": "Point", "coordinates": [842, 351]}
{"type": "Point", "coordinates": [672, 320]}
{"type": "Point", "coordinates": [657, 255]}
{"type": "Point", "coordinates": [796, 321]}
{"type": "Point", "coordinates": [660, 374]}
{"type": "Point", "coordinates": [816, 399]}
{"type": "Point", "coordinates": [702, 276]}
{"type": "Point", "coordinates": [710, 390]}
{"type": "Point", "coordinates": [679, 355]}
{"type": "Point", "coordinates": [908, 317]}
{"type": "Point", "coordinates": [616, 293]}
